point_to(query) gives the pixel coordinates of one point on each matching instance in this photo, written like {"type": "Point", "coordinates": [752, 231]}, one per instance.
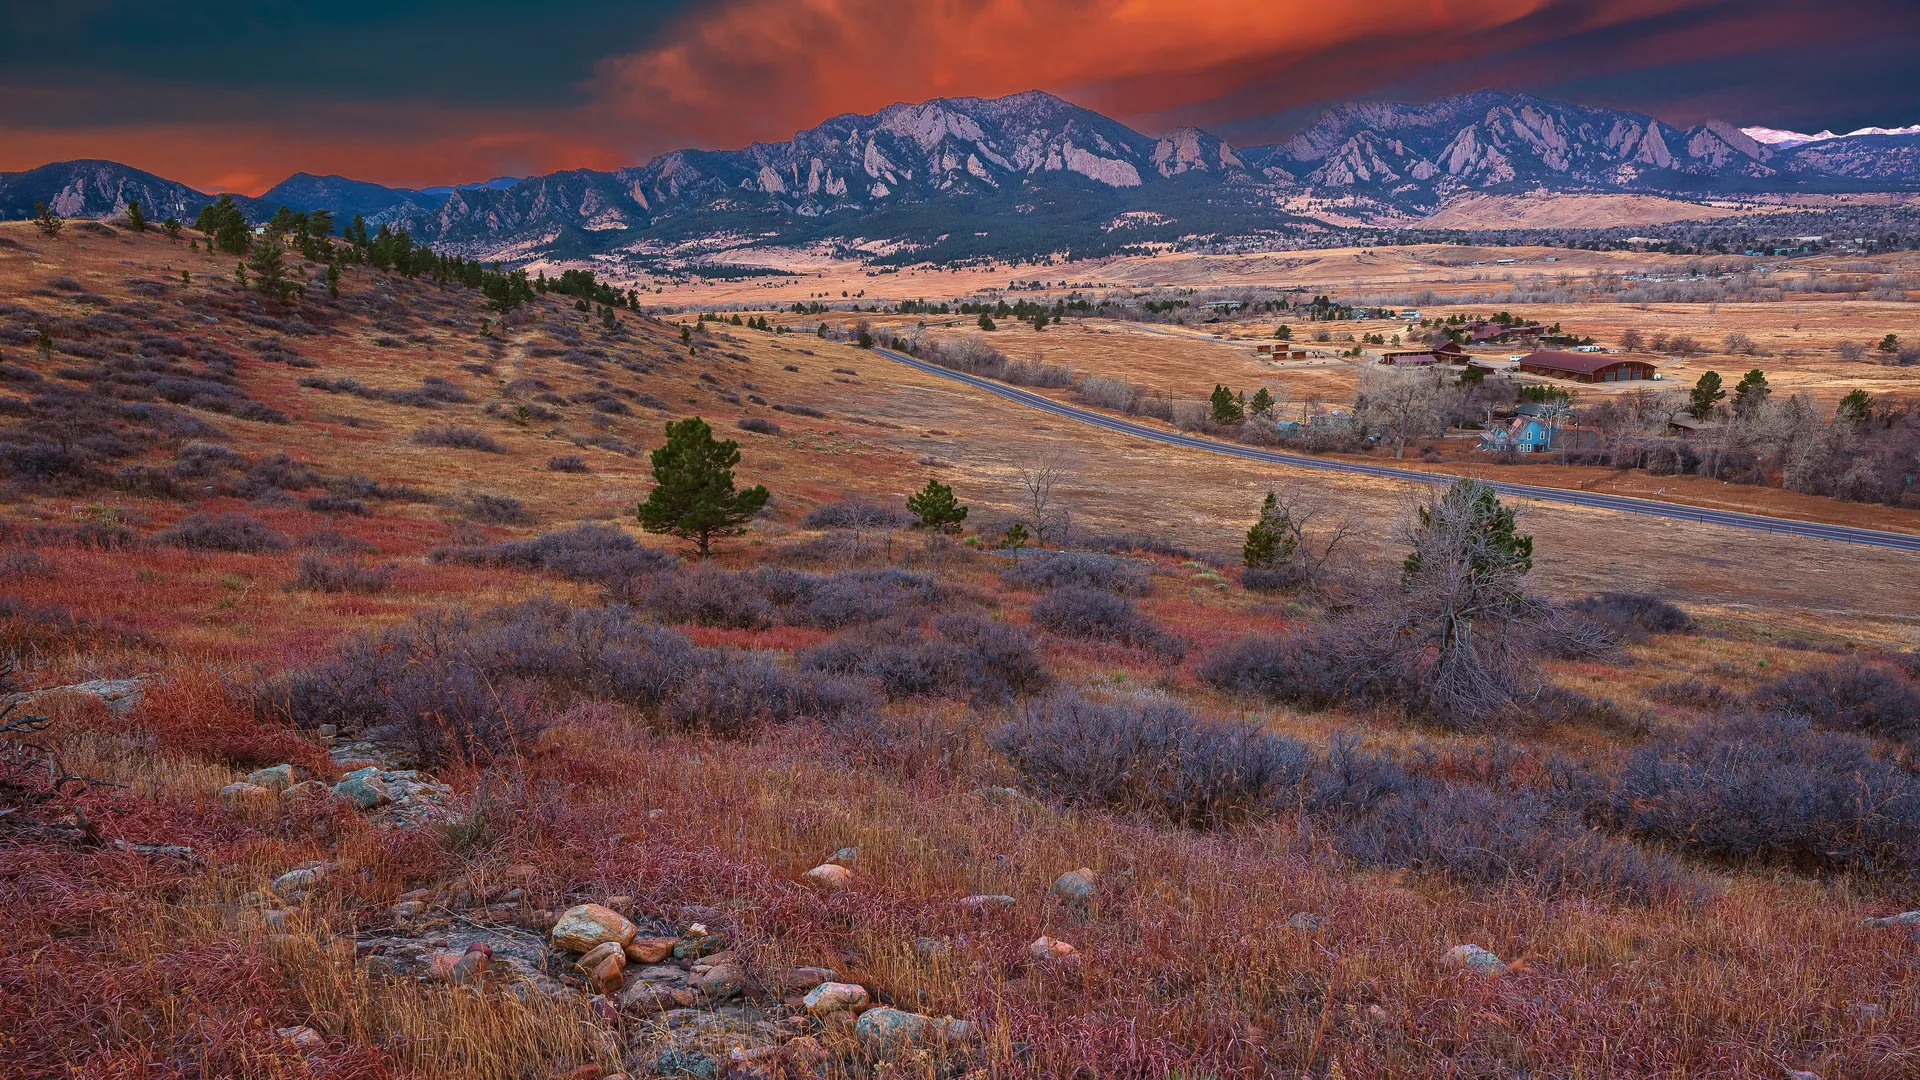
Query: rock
{"type": "Point", "coordinates": [303, 1037]}
{"type": "Point", "coordinates": [273, 778]}
{"type": "Point", "coordinates": [890, 1031]}
{"type": "Point", "coordinates": [1003, 796]}
{"type": "Point", "coordinates": [119, 695]}
{"type": "Point", "coordinates": [1867, 1010]}
{"type": "Point", "coordinates": [693, 948]}
{"type": "Point", "coordinates": [1475, 958]}
{"type": "Point", "coordinates": [1905, 918]}
{"type": "Point", "coordinates": [242, 795]}
{"type": "Point", "coordinates": [603, 966]}
{"type": "Point", "coordinates": [305, 791]}
{"type": "Point", "coordinates": [721, 982]}
{"type": "Point", "coordinates": [650, 950]}
{"type": "Point", "coordinates": [926, 948]}
{"type": "Point", "coordinates": [471, 968]}
{"type": "Point", "coordinates": [674, 1061]}
{"type": "Point", "coordinates": [588, 925]}
{"type": "Point", "coordinates": [788, 980]}
{"type": "Point", "coordinates": [1304, 921]}
{"type": "Point", "coordinates": [650, 998]}
{"type": "Point", "coordinates": [846, 856]}
{"type": "Point", "coordinates": [363, 791]}
{"type": "Point", "coordinates": [297, 883]}
{"type": "Point", "coordinates": [1047, 949]}
{"type": "Point", "coordinates": [1798, 1074]}
{"type": "Point", "coordinates": [983, 903]}
{"type": "Point", "coordinates": [830, 876]}
{"type": "Point", "coordinates": [1076, 886]}
{"type": "Point", "coordinates": [833, 997]}
{"type": "Point", "coordinates": [805, 1052]}
{"type": "Point", "coordinates": [407, 909]}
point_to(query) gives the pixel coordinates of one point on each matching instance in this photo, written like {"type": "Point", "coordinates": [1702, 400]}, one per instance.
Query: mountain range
{"type": "Point", "coordinates": [1029, 174]}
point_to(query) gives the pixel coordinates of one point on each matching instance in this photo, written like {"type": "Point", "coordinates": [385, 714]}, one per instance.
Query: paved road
{"type": "Point", "coordinates": [1595, 500]}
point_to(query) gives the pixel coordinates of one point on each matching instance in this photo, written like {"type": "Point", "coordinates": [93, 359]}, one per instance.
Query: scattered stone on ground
{"type": "Point", "coordinates": [1905, 918]}
{"type": "Point", "coordinates": [584, 927]}
{"type": "Point", "coordinates": [833, 997]}
{"type": "Point", "coordinates": [886, 1032]}
{"type": "Point", "coordinates": [831, 876]}
{"type": "Point", "coordinates": [1305, 922]}
{"type": "Point", "coordinates": [1474, 958]}
{"type": "Point", "coordinates": [1077, 886]}
{"type": "Point", "coordinates": [983, 903]}
{"type": "Point", "coordinates": [1050, 950]}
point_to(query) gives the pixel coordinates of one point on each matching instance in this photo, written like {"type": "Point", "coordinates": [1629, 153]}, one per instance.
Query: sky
{"type": "Point", "coordinates": [235, 95]}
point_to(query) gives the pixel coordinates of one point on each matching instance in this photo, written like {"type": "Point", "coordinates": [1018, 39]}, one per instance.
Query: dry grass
{"type": "Point", "coordinates": [117, 964]}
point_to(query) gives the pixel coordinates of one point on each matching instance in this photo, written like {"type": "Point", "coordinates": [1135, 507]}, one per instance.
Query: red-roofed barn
{"type": "Point", "coordinates": [1586, 367]}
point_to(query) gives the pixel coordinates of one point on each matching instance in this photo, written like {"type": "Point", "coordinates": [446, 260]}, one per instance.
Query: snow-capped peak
{"type": "Point", "coordinates": [1787, 140]}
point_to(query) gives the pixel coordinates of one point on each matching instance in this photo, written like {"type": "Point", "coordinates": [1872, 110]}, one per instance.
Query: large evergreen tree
{"type": "Point", "coordinates": [1226, 408]}
{"type": "Point", "coordinates": [935, 507]}
{"type": "Point", "coordinates": [693, 495]}
{"type": "Point", "coordinates": [136, 221]}
{"type": "Point", "coordinates": [269, 266]}
{"type": "Point", "coordinates": [1750, 391]}
{"type": "Point", "coordinates": [1706, 394]}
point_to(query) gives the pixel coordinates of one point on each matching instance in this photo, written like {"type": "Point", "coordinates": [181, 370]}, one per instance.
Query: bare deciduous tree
{"type": "Point", "coordinates": [1400, 405]}
{"type": "Point", "coordinates": [1045, 516]}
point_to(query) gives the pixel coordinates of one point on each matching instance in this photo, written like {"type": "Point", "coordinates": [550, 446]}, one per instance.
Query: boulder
{"type": "Point", "coordinates": [846, 856]}
{"type": "Point", "coordinates": [603, 965]}
{"type": "Point", "coordinates": [273, 778]}
{"type": "Point", "coordinates": [795, 979]}
{"type": "Point", "coordinates": [1049, 950]}
{"type": "Point", "coordinates": [365, 792]}
{"type": "Point", "coordinates": [1476, 959]}
{"type": "Point", "coordinates": [304, 791]}
{"type": "Point", "coordinates": [1076, 886]}
{"type": "Point", "coordinates": [834, 997]}
{"type": "Point", "coordinates": [831, 876]}
{"type": "Point", "coordinates": [407, 909]}
{"type": "Point", "coordinates": [674, 1061]}
{"type": "Point", "coordinates": [588, 925]}
{"type": "Point", "coordinates": [650, 950]}
{"type": "Point", "coordinates": [693, 948]}
{"type": "Point", "coordinates": [983, 903]}
{"type": "Point", "coordinates": [1905, 918]}
{"type": "Point", "coordinates": [721, 982]}
{"type": "Point", "coordinates": [243, 796]}
{"type": "Point", "coordinates": [890, 1031]}
{"type": "Point", "coordinates": [297, 883]}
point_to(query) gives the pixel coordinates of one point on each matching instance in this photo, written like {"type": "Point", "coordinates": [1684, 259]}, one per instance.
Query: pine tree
{"type": "Point", "coordinates": [693, 495]}
{"type": "Point", "coordinates": [1751, 391]}
{"type": "Point", "coordinates": [333, 279]}
{"type": "Point", "coordinates": [171, 227]}
{"type": "Point", "coordinates": [1468, 525]}
{"type": "Point", "coordinates": [136, 221]}
{"type": "Point", "coordinates": [1855, 408]}
{"type": "Point", "coordinates": [1284, 333]}
{"type": "Point", "coordinates": [49, 225]}
{"type": "Point", "coordinates": [986, 322]}
{"type": "Point", "coordinates": [269, 266]}
{"type": "Point", "coordinates": [1226, 408]}
{"type": "Point", "coordinates": [1262, 403]}
{"type": "Point", "coordinates": [936, 507]}
{"type": "Point", "coordinates": [1273, 541]}
{"type": "Point", "coordinates": [1706, 394]}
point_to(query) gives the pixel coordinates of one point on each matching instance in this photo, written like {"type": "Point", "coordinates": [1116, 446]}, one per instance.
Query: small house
{"type": "Point", "coordinates": [1522, 435]}
{"type": "Point", "coordinates": [1409, 358]}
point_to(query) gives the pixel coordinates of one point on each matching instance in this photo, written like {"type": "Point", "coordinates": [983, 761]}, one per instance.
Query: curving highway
{"type": "Point", "coordinates": [1595, 500]}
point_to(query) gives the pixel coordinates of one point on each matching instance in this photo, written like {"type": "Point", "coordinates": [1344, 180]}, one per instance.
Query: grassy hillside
{"type": "Point", "coordinates": [340, 534]}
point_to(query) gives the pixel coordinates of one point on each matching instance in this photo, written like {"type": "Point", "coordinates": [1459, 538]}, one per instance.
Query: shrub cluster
{"type": "Point", "coordinates": [592, 552]}
{"type": "Point", "coordinates": [854, 514]}
{"type": "Point", "coordinates": [340, 573]}
{"type": "Point", "coordinates": [1059, 569]}
{"type": "Point", "coordinates": [754, 599]}
{"type": "Point", "coordinates": [1769, 789]}
{"type": "Point", "coordinates": [966, 654]}
{"type": "Point", "coordinates": [1077, 611]}
{"type": "Point", "coordinates": [223, 532]}
{"type": "Point", "coordinates": [461, 686]}
{"type": "Point", "coordinates": [1149, 755]}
{"type": "Point", "coordinates": [1847, 695]}
{"type": "Point", "coordinates": [455, 437]}
{"type": "Point", "coordinates": [1633, 616]}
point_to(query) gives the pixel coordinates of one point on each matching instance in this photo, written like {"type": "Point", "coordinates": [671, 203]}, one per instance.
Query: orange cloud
{"type": "Point", "coordinates": [761, 69]}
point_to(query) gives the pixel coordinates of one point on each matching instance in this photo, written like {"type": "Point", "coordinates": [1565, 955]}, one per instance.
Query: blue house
{"type": "Point", "coordinates": [1522, 435]}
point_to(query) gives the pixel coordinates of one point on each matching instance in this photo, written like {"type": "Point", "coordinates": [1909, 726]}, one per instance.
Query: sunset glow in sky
{"type": "Point", "coordinates": [237, 94]}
